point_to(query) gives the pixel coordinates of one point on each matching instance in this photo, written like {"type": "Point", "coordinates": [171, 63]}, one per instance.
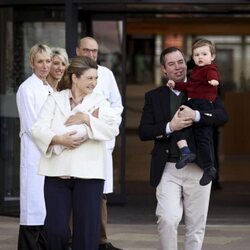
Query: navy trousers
{"type": "Point", "coordinates": [203, 134]}
{"type": "Point", "coordinates": [83, 198]}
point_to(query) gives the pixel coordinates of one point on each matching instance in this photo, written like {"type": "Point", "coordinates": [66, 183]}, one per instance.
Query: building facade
{"type": "Point", "coordinates": [131, 35]}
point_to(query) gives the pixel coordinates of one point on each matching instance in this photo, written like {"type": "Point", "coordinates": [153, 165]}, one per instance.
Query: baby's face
{"type": "Point", "coordinates": [203, 56]}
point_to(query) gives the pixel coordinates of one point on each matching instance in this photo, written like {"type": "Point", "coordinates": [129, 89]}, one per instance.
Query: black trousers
{"type": "Point", "coordinates": [83, 198]}
{"type": "Point", "coordinates": [31, 238]}
{"type": "Point", "coordinates": [203, 135]}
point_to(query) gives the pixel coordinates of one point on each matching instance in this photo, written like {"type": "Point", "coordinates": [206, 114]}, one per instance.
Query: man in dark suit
{"type": "Point", "coordinates": [178, 190]}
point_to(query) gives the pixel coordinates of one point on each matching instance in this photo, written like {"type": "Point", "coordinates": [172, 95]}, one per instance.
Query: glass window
{"type": "Point", "coordinates": [17, 37]}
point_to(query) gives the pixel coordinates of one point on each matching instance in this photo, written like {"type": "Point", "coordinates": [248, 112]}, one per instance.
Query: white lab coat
{"type": "Point", "coordinates": [30, 97]}
{"type": "Point", "coordinates": [106, 84]}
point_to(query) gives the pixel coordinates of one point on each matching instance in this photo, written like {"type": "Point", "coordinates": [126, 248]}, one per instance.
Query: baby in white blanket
{"type": "Point", "coordinates": [105, 114]}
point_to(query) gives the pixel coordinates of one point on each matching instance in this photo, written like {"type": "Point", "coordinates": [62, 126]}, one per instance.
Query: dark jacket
{"type": "Point", "coordinates": [156, 115]}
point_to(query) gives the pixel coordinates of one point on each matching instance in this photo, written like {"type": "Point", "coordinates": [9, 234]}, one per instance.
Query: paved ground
{"type": "Point", "coordinates": [132, 226]}
{"type": "Point", "coordinates": [144, 237]}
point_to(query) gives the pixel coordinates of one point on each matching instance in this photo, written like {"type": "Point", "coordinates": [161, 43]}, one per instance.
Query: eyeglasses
{"type": "Point", "coordinates": [94, 51]}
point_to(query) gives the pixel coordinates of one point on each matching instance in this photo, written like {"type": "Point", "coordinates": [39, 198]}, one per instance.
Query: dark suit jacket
{"type": "Point", "coordinates": [156, 115]}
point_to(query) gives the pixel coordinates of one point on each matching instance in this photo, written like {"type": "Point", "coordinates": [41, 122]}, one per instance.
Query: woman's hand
{"type": "Point", "coordinates": [78, 118]}
{"type": "Point", "coordinates": [67, 140]}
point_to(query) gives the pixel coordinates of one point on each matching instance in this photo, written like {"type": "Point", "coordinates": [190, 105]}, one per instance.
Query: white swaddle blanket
{"type": "Point", "coordinates": [104, 114]}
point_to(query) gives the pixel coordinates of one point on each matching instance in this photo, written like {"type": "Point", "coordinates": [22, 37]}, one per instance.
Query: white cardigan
{"type": "Point", "coordinates": [87, 160]}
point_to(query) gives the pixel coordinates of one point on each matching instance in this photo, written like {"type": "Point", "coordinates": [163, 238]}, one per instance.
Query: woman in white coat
{"type": "Point", "coordinates": [74, 179]}
{"type": "Point", "coordinates": [30, 97]}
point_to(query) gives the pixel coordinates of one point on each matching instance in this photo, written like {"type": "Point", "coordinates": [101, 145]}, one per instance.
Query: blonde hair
{"type": "Point", "coordinates": [203, 42]}
{"type": "Point", "coordinates": [60, 52]}
{"type": "Point", "coordinates": [39, 48]}
{"type": "Point", "coordinates": [78, 66]}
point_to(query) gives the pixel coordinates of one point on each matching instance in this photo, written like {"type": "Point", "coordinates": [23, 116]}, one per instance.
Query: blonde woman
{"type": "Point", "coordinates": [59, 62]}
{"type": "Point", "coordinates": [30, 97]}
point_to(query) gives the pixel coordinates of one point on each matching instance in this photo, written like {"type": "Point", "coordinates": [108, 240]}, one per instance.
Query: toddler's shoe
{"type": "Point", "coordinates": [208, 175]}
{"type": "Point", "coordinates": [184, 160]}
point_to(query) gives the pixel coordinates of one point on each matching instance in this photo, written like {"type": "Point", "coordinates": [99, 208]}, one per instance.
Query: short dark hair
{"type": "Point", "coordinates": [168, 51]}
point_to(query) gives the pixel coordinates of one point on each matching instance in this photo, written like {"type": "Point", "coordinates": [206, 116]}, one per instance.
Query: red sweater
{"type": "Point", "coordinates": [198, 87]}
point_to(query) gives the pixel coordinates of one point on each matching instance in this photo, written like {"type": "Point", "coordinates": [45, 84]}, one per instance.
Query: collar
{"type": "Point", "coordinates": [73, 102]}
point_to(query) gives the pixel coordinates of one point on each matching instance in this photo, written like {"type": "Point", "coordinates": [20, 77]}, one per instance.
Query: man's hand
{"type": "Point", "coordinates": [171, 84]}
{"type": "Point", "coordinates": [180, 121]}
{"type": "Point", "coordinates": [186, 112]}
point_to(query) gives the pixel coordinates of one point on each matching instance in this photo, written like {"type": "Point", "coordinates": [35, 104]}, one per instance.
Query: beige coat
{"type": "Point", "coordinates": [87, 160]}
